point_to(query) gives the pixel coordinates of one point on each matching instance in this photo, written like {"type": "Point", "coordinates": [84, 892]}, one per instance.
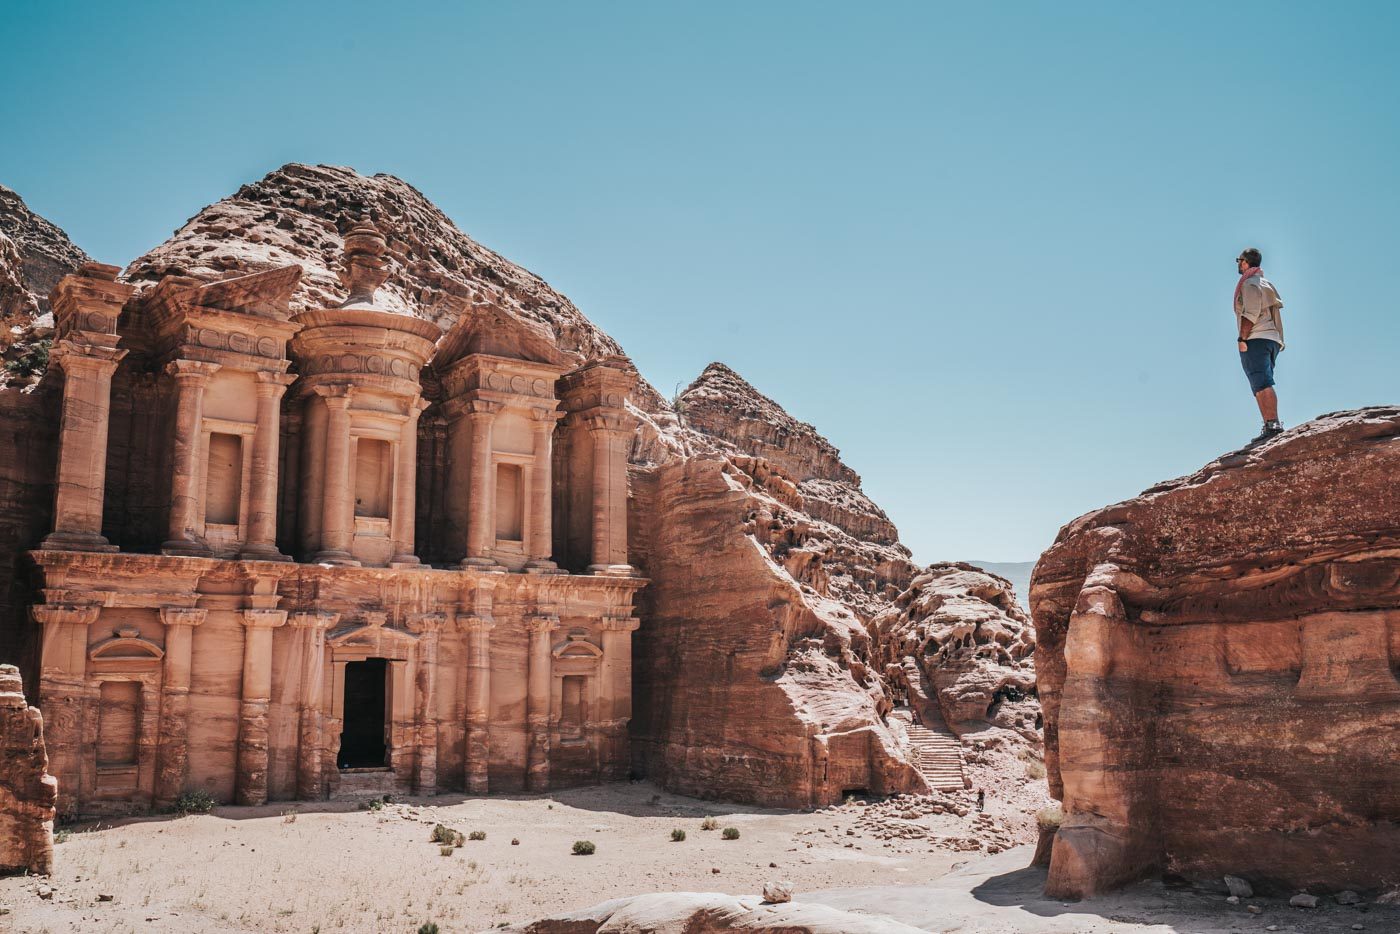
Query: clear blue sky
{"type": "Point", "coordinates": [986, 249]}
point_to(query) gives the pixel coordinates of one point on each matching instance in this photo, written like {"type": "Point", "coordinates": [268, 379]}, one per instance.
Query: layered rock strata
{"type": "Point", "coordinates": [27, 792]}
{"type": "Point", "coordinates": [1218, 665]}
{"type": "Point", "coordinates": [725, 487]}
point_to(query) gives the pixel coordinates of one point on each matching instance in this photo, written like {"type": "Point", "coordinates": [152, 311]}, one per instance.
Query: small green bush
{"type": "Point", "coordinates": [677, 835]}
{"type": "Point", "coordinates": [61, 836]}
{"type": "Point", "coordinates": [375, 805]}
{"type": "Point", "coordinates": [730, 833]}
{"type": "Point", "coordinates": [477, 835]}
{"type": "Point", "coordinates": [584, 848]}
{"type": "Point", "coordinates": [195, 801]}
{"type": "Point", "coordinates": [428, 928]}
{"type": "Point", "coordinates": [709, 823]}
{"type": "Point", "coordinates": [446, 835]}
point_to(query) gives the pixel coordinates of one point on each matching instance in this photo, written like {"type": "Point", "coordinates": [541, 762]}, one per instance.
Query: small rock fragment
{"type": "Point", "coordinates": [777, 892]}
{"type": "Point", "coordinates": [1303, 900]}
{"type": "Point", "coordinates": [104, 897]}
{"type": "Point", "coordinates": [1233, 899]}
{"type": "Point", "coordinates": [1254, 909]}
{"type": "Point", "coordinates": [1348, 898]}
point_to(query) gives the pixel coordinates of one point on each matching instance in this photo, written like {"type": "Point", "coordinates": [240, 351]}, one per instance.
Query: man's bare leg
{"type": "Point", "coordinates": [1268, 403]}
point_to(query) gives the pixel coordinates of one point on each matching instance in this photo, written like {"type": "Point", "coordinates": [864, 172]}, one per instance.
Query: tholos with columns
{"type": "Point", "coordinates": [262, 521]}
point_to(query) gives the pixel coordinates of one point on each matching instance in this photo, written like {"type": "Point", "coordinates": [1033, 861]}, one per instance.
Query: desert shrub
{"type": "Point", "coordinates": [446, 835]}
{"type": "Point", "coordinates": [1035, 770]}
{"type": "Point", "coordinates": [1050, 818]}
{"type": "Point", "coordinates": [289, 816]}
{"type": "Point", "coordinates": [677, 835]}
{"type": "Point", "coordinates": [514, 841]}
{"type": "Point", "coordinates": [428, 928]}
{"type": "Point", "coordinates": [584, 848]}
{"type": "Point", "coordinates": [195, 801]}
{"type": "Point", "coordinates": [375, 805]}
{"type": "Point", "coordinates": [477, 835]}
{"type": "Point", "coordinates": [730, 833]}
{"type": "Point", "coordinates": [61, 836]}
{"type": "Point", "coordinates": [709, 823]}
{"type": "Point", "coordinates": [446, 850]}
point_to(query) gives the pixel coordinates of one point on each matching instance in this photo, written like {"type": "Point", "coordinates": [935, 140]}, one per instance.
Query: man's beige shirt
{"type": "Point", "coordinates": [1260, 305]}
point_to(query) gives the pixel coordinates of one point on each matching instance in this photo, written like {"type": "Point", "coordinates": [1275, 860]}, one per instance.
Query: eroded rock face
{"type": "Point", "coordinates": [729, 488]}
{"type": "Point", "coordinates": [710, 911]}
{"type": "Point", "coordinates": [27, 791]}
{"type": "Point", "coordinates": [34, 255]}
{"type": "Point", "coordinates": [972, 643]}
{"type": "Point", "coordinates": [1218, 663]}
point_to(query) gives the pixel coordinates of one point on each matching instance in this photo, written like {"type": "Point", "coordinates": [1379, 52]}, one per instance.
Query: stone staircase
{"type": "Point", "coordinates": [938, 756]}
{"type": "Point", "coordinates": [937, 750]}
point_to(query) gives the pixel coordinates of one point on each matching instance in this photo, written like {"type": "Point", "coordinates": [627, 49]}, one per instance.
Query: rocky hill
{"type": "Point", "coordinates": [756, 677]}
{"type": "Point", "coordinates": [34, 255]}
{"type": "Point", "coordinates": [1218, 665]}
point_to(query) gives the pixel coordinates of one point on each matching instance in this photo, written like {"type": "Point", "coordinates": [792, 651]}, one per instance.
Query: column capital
{"type": "Point", "coordinates": [46, 613]}
{"type": "Point", "coordinates": [479, 410]}
{"type": "Point", "coordinates": [264, 619]}
{"type": "Point", "coordinates": [619, 624]}
{"type": "Point", "coordinates": [193, 370]}
{"type": "Point", "coordinates": [474, 622]}
{"type": "Point", "coordinates": [73, 356]}
{"type": "Point", "coordinates": [182, 615]}
{"type": "Point", "coordinates": [426, 622]}
{"type": "Point", "coordinates": [416, 407]}
{"type": "Point", "coordinates": [337, 395]}
{"type": "Point", "coordinates": [616, 422]}
{"type": "Point", "coordinates": [315, 619]}
{"type": "Point", "coordinates": [544, 420]}
{"type": "Point", "coordinates": [270, 383]}
{"type": "Point", "coordinates": [541, 622]}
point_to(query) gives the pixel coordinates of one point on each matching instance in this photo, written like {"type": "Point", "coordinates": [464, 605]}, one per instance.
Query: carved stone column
{"type": "Point", "coordinates": [173, 756]}
{"type": "Point", "coordinates": [611, 432]}
{"type": "Point", "coordinates": [191, 378]}
{"type": "Point", "coordinates": [406, 491]}
{"type": "Point", "coordinates": [251, 776]}
{"type": "Point", "coordinates": [63, 692]}
{"type": "Point", "coordinates": [477, 631]}
{"type": "Point", "coordinates": [539, 544]}
{"type": "Point", "coordinates": [616, 692]}
{"type": "Point", "coordinates": [311, 752]}
{"type": "Point", "coordinates": [262, 522]}
{"type": "Point", "coordinates": [481, 520]}
{"type": "Point", "coordinates": [82, 446]}
{"type": "Point", "coordinates": [541, 662]}
{"type": "Point", "coordinates": [336, 514]}
{"type": "Point", "coordinates": [429, 625]}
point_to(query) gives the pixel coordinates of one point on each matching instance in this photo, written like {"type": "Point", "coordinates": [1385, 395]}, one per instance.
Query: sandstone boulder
{"type": "Point", "coordinates": [27, 792]}
{"type": "Point", "coordinates": [1217, 660]}
{"type": "Point", "coordinates": [694, 912]}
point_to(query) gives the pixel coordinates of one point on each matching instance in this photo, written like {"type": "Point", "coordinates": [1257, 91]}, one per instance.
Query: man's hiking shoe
{"type": "Point", "coordinates": [1271, 430]}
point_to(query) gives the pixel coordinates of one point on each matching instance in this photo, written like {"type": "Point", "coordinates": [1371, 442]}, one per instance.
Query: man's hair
{"type": "Point", "coordinates": [1252, 256]}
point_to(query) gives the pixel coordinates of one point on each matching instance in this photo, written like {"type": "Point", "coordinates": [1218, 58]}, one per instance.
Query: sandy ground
{"type": "Point", "coordinates": [1001, 895]}
{"type": "Point", "coordinates": [332, 869]}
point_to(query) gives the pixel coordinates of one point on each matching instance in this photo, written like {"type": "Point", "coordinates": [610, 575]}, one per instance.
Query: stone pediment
{"type": "Point", "coordinates": [128, 646]}
{"type": "Point", "coordinates": [371, 634]}
{"type": "Point", "coordinates": [488, 328]}
{"type": "Point", "coordinates": [266, 294]}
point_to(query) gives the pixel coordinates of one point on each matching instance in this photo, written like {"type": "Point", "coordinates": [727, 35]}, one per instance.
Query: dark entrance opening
{"type": "Point", "coordinates": [362, 737]}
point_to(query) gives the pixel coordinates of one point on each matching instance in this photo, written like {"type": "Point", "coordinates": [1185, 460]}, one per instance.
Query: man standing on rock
{"type": "Point", "coordinates": [1260, 330]}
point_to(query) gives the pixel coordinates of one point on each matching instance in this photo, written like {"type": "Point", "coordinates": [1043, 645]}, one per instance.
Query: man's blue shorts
{"type": "Point", "coordinates": [1258, 362]}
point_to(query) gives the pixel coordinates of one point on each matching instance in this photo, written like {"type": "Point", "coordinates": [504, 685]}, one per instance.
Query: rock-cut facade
{"type": "Point", "coordinates": [348, 551]}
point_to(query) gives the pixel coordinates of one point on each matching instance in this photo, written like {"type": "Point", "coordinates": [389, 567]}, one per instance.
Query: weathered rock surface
{"type": "Point", "coordinates": [1218, 660]}
{"type": "Point", "coordinates": [973, 645]}
{"type": "Point", "coordinates": [27, 791]}
{"type": "Point", "coordinates": [34, 255]}
{"type": "Point", "coordinates": [696, 912]}
{"type": "Point", "coordinates": [754, 668]}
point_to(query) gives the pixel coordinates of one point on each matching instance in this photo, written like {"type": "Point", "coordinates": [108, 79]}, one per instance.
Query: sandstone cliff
{"type": "Point", "coordinates": [34, 255]}
{"type": "Point", "coordinates": [766, 558]}
{"type": "Point", "coordinates": [1218, 664]}
{"type": "Point", "coordinates": [27, 791]}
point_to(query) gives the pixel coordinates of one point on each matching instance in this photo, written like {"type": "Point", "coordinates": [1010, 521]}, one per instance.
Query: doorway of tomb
{"type": "Point", "coordinates": [363, 736]}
